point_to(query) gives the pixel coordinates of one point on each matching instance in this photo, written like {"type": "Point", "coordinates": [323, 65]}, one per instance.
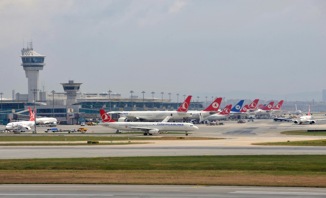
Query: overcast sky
{"type": "Point", "coordinates": [271, 49]}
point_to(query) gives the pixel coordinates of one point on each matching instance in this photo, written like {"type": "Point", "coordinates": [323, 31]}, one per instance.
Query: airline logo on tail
{"type": "Point", "coordinates": [254, 104]}
{"type": "Point", "coordinates": [238, 106]}
{"type": "Point", "coordinates": [105, 117]}
{"type": "Point", "coordinates": [244, 109]}
{"type": "Point", "coordinates": [269, 106]}
{"type": "Point", "coordinates": [185, 105]}
{"type": "Point", "coordinates": [278, 105]}
{"type": "Point", "coordinates": [31, 114]}
{"type": "Point", "coordinates": [215, 105]}
{"type": "Point", "coordinates": [226, 110]}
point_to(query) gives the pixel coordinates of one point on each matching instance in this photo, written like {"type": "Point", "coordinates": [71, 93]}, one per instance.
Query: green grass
{"type": "Point", "coordinates": [296, 143]}
{"type": "Point", "coordinates": [304, 132]}
{"type": "Point", "coordinates": [295, 164]}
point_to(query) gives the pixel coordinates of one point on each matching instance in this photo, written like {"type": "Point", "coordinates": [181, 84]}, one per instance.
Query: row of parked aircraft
{"type": "Point", "coordinates": [210, 113]}
{"type": "Point", "coordinates": [158, 120]}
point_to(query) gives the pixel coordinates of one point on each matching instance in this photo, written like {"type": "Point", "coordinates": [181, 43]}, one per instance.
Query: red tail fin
{"type": "Point", "coordinates": [105, 117]}
{"type": "Point", "coordinates": [31, 114]}
{"type": "Point", "coordinates": [215, 105]}
{"type": "Point", "coordinates": [244, 109]}
{"type": "Point", "coordinates": [309, 114]}
{"type": "Point", "coordinates": [253, 104]}
{"type": "Point", "coordinates": [226, 110]}
{"type": "Point", "coordinates": [269, 106]}
{"type": "Point", "coordinates": [278, 105]}
{"type": "Point", "coordinates": [185, 105]}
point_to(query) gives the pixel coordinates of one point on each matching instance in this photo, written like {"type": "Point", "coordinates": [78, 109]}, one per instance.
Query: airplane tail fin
{"type": "Point", "coordinates": [278, 105]}
{"type": "Point", "coordinates": [105, 117]}
{"type": "Point", "coordinates": [244, 109]}
{"type": "Point", "coordinates": [309, 114]}
{"type": "Point", "coordinates": [253, 104]}
{"type": "Point", "coordinates": [226, 110]}
{"type": "Point", "coordinates": [269, 106]}
{"type": "Point", "coordinates": [185, 105]}
{"type": "Point", "coordinates": [238, 106]}
{"type": "Point", "coordinates": [214, 105]}
{"type": "Point", "coordinates": [31, 114]}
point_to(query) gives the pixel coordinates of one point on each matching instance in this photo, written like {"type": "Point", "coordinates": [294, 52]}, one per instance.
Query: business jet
{"type": "Point", "coordinates": [180, 114]}
{"type": "Point", "coordinates": [22, 126]}
{"type": "Point", "coordinates": [198, 116]}
{"type": "Point", "coordinates": [44, 120]}
{"type": "Point", "coordinates": [149, 128]}
{"type": "Point", "coordinates": [225, 113]}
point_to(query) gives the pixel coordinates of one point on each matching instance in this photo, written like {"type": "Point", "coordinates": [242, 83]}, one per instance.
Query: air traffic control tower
{"type": "Point", "coordinates": [33, 62]}
{"type": "Point", "coordinates": [71, 89]}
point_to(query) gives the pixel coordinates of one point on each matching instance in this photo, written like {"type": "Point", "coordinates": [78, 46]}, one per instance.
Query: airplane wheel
{"type": "Point", "coordinates": [145, 133]}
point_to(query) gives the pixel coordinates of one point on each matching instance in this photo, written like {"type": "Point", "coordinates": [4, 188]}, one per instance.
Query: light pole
{"type": "Point", "coordinates": [177, 98]}
{"type": "Point", "coordinates": [197, 102]}
{"type": "Point", "coordinates": [143, 92]}
{"type": "Point", "coordinates": [206, 101]}
{"type": "Point", "coordinates": [153, 97]}
{"type": "Point", "coordinates": [1, 99]}
{"type": "Point", "coordinates": [35, 92]}
{"type": "Point", "coordinates": [131, 92]}
{"type": "Point", "coordinates": [110, 99]}
{"type": "Point", "coordinates": [53, 92]}
{"type": "Point", "coordinates": [162, 93]}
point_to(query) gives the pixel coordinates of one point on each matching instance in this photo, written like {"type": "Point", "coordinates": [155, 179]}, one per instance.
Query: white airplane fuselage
{"type": "Point", "coordinates": [152, 115]}
{"type": "Point", "coordinates": [150, 126]}
{"type": "Point", "coordinates": [18, 125]}
{"type": "Point", "coordinates": [46, 120]}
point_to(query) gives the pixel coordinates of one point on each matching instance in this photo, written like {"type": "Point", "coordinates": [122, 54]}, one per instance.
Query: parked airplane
{"type": "Point", "coordinates": [213, 108]}
{"type": "Point", "coordinates": [179, 114]}
{"type": "Point", "coordinates": [225, 113]}
{"type": "Point", "coordinates": [43, 120]}
{"type": "Point", "coordinates": [306, 119]}
{"type": "Point", "coordinates": [296, 112]}
{"type": "Point", "coordinates": [263, 109]}
{"type": "Point", "coordinates": [22, 125]}
{"type": "Point", "coordinates": [148, 128]}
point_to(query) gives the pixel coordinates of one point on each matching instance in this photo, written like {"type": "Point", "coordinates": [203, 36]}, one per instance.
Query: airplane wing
{"type": "Point", "coordinates": [166, 119]}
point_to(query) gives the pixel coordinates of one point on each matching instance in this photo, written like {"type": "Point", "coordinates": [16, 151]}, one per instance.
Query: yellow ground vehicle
{"type": "Point", "coordinates": [82, 129]}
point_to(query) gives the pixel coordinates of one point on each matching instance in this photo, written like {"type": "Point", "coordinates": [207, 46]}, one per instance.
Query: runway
{"type": "Point", "coordinates": [77, 191]}
{"type": "Point", "coordinates": [29, 152]}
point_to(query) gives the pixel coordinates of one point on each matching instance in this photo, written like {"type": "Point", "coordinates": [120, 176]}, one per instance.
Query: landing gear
{"type": "Point", "coordinates": [117, 131]}
{"type": "Point", "coordinates": [186, 133]}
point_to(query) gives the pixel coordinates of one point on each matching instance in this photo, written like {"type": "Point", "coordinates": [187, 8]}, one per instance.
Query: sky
{"type": "Point", "coordinates": [271, 49]}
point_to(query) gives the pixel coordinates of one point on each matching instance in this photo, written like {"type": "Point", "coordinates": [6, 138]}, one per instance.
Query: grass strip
{"type": "Point", "coordinates": [304, 132]}
{"type": "Point", "coordinates": [277, 163]}
{"type": "Point", "coordinates": [303, 170]}
{"type": "Point", "coordinates": [295, 143]}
